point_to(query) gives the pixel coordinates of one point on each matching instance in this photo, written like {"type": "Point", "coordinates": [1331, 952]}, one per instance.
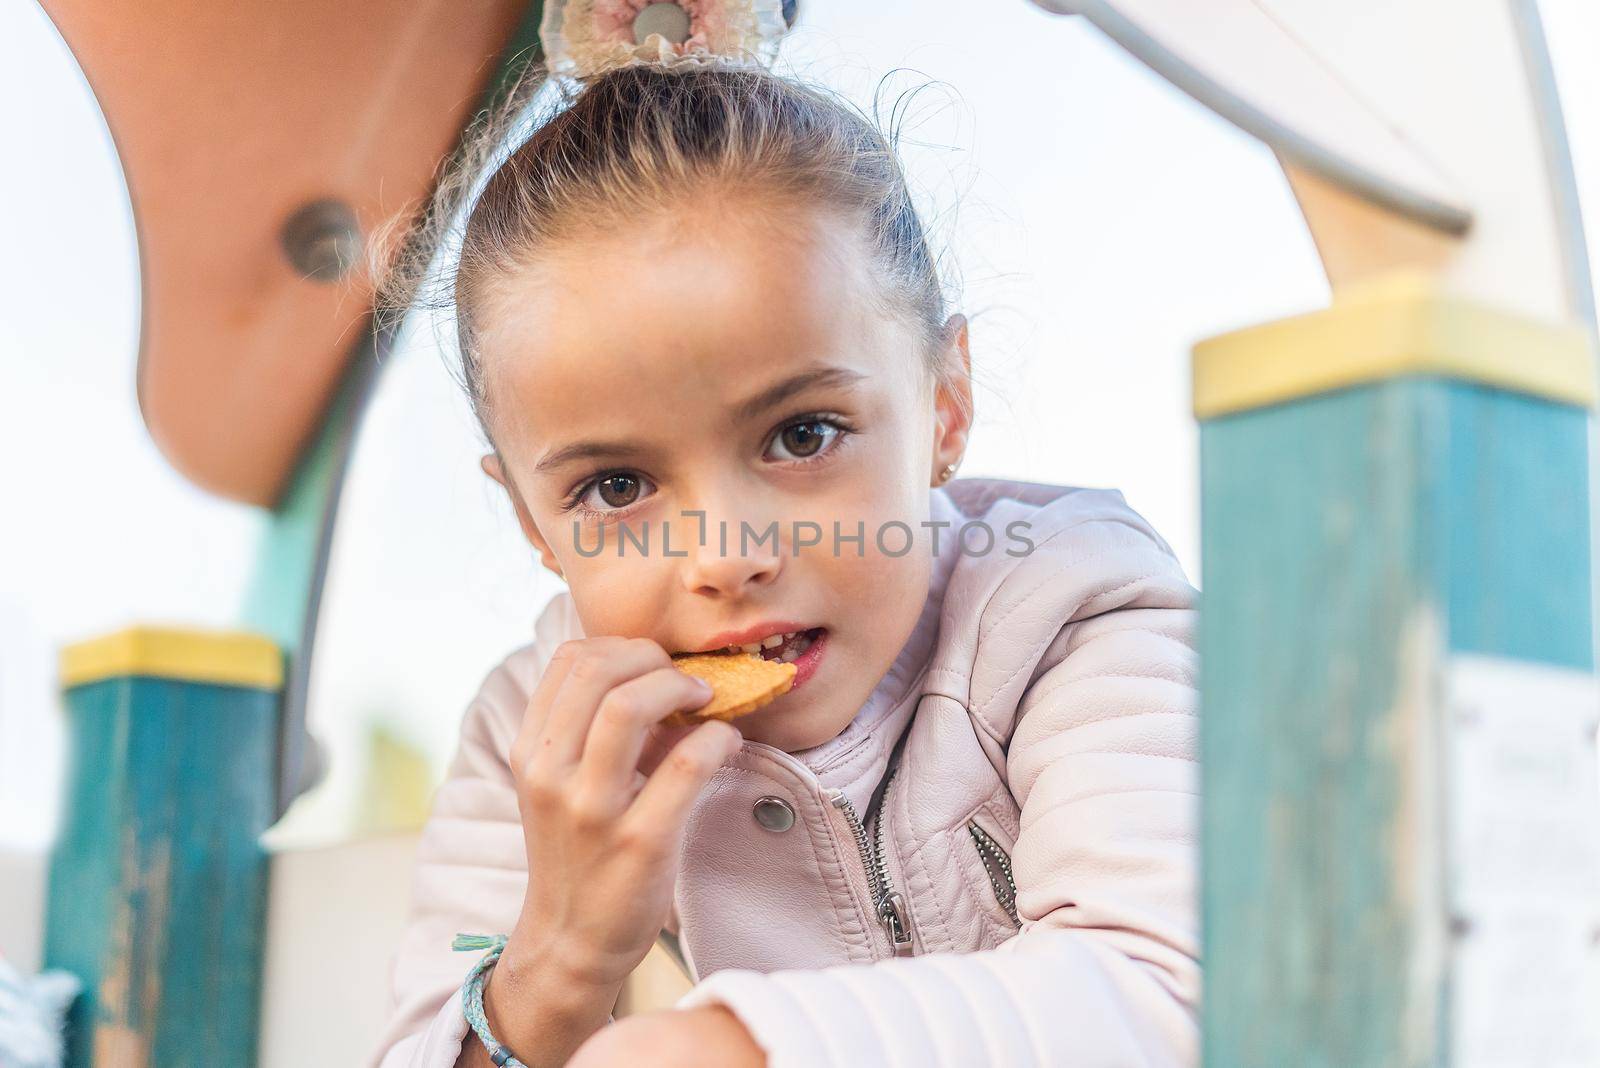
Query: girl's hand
{"type": "Point", "coordinates": [709, 1036]}
{"type": "Point", "coordinates": [604, 793]}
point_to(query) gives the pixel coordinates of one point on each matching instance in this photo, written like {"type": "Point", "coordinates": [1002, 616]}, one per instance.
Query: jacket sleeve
{"type": "Point", "coordinates": [1104, 972]}
{"type": "Point", "coordinates": [471, 868]}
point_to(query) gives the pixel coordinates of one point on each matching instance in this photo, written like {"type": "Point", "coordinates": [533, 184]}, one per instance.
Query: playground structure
{"type": "Point", "coordinates": [1398, 690]}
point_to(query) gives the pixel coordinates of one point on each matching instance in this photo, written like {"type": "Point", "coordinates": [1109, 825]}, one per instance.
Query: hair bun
{"type": "Point", "coordinates": [586, 38]}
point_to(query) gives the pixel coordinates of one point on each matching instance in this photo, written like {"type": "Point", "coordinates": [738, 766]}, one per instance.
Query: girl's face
{"type": "Point", "coordinates": [716, 377]}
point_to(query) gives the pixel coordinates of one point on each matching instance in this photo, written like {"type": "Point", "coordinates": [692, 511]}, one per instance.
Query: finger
{"type": "Point", "coordinates": [663, 804]}
{"type": "Point", "coordinates": [602, 665]}
{"type": "Point", "coordinates": [622, 723]}
{"type": "Point", "coordinates": [658, 741]}
{"type": "Point", "coordinates": [539, 701]}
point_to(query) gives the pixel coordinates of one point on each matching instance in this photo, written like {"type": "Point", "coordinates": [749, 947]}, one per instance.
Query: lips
{"type": "Point", "coordinates": [772, 641]}
{"type": "Point", "coordinates": [807, 661]}
{"type": "Point", "coordinates": [788, 643]}
{"type": "Point", "coordinates": [786, 647]}
{"type": "Point", "coordinates": [763, 636]}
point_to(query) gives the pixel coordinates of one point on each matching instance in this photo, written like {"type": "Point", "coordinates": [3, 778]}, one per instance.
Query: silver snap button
{"type": "Point", "coordinates": [774, 814]}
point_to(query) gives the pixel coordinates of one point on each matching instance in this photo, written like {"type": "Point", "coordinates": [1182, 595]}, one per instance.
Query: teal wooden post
{"type": "Point", "coordinates": [1388, 487]}
{"type": "Point", "coordinates": [157, 882]}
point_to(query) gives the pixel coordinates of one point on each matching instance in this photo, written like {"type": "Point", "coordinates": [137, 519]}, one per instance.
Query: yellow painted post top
{"type": "Point", "coordinates": [223, 658]}
{"type": "Point", "coordinates": [1399, 324]}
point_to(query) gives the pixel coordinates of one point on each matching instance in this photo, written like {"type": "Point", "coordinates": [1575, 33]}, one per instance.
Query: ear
{"type": "Point", "coordinates": [496, 470]}
{"type": "Point", "coordinates": [952, 400]}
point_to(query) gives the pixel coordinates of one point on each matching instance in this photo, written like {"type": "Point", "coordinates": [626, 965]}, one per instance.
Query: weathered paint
{"type": "Point", "coordinates": [1352, 541]}
{"type": "Point", "coordinates": [1516, 528]}
{"type": "Point", "coordinates": [157, 882]}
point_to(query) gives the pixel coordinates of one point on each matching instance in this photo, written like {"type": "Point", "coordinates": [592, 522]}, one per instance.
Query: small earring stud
{"type": "Point", "coordinates": [947, 474]}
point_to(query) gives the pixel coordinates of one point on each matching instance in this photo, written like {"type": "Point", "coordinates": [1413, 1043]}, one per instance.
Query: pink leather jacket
{"type": "Point", "coordinates": [994, 863]}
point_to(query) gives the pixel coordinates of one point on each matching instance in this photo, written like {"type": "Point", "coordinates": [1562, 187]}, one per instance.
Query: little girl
{"type": "Point", "coordinates": [704, 335]}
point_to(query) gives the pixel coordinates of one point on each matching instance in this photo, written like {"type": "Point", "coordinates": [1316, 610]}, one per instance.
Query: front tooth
{"type": "Point", "coordinates": [772, 641]}
{"type": "Point", "coordinates": [753, 647]}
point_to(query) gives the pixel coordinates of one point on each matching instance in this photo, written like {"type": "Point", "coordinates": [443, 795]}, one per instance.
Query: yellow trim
{"type": "Point", "coordinates": [1402, 324]}
{"type": "Point", "coordinates": [225, 658]}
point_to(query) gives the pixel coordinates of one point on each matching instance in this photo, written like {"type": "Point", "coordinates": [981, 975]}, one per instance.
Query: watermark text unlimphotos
{"type": "Point", "coordinates": [893, 538]}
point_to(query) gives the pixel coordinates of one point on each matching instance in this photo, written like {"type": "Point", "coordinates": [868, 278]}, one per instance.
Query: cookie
{"type": "Point", "coordinates": [740, 683]}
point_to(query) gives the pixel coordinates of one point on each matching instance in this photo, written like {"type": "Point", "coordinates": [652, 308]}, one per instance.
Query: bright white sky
{"type": "Point", "coordinates": [1101, 223]}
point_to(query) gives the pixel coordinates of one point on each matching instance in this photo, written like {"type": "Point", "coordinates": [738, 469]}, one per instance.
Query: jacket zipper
{"type": "Point", "coordinates": [998, 867]}
{"type": "Point", "coordinates": [887, 902]}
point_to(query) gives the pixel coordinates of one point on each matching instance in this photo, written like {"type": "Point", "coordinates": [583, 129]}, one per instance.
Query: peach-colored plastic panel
{"type": "Point", "coordinates": [228, 118]}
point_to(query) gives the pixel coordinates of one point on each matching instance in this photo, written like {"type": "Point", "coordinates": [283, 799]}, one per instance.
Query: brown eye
{"type": "Point", "coordinates": [804, 439]}
{"type": "Point", "coordinates": [618, 491]}
{"type": "Point", "coordinates": [811, 438]}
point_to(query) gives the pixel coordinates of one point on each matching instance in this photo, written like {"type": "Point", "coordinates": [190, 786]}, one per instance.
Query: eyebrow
{"type": "Point", "coordinates": [584, 450]}
{"type": "Point", "coordinates": [813, 379]}
{"type": "Point", "coordinates": [773, 395]}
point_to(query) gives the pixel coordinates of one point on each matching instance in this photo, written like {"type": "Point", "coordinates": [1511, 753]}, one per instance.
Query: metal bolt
{"type": "Point", "coordinates": [322, 240]}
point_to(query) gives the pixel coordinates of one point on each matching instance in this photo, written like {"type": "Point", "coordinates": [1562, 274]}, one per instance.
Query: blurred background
{"type": "Point", "coordinates": [1094, 221]}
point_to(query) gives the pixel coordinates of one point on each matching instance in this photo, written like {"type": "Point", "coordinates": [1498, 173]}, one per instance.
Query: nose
{"type": "Point", "coordinates": [731, 562]}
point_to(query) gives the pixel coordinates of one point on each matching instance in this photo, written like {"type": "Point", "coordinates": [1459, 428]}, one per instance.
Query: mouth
{"type": "Point", "coordinates": [784, 646]}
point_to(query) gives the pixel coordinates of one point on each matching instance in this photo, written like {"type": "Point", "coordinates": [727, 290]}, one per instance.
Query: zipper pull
{"type": "Point", "coordinates": [897, 922]}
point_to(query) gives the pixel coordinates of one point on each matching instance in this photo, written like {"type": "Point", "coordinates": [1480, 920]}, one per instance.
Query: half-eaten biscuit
{"type": "Point", "coordinates": [740, 684]}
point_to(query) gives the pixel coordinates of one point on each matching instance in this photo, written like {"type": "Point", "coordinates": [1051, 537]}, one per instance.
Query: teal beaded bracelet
{"type": "Point", "coordinates": [472, 994]}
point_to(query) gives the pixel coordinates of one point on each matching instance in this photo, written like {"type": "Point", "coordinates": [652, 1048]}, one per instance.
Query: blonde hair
{"type": "Point", "coordinates": [635, 141]}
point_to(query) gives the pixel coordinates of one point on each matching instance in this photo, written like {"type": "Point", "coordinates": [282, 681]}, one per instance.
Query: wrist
{"type": "Point", "coordinates": [559, 965]}
{"type": "Point", "coordinates": [540, 1005]}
